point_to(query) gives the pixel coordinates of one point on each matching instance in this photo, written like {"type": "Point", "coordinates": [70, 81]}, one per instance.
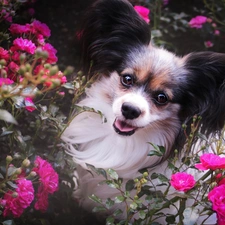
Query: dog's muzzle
{"type": "Point", "coordinates": [129, 112]}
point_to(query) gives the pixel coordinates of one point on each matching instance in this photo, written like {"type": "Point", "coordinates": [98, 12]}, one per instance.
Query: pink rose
{"type": "Point", "coordinates": [5, 81]}
{"type": "Point", "coordinates": [4, 54]}
{"type": "Point", "coordinates": [143, 12]}
{"type": "Point", "coordinates": [211, 161]}
{"type": "Point", "coordinates": [49, 180]}
{"type": "Point", "coordinates": [182, 181]}
{"type": "Point", "coordinates": [208, 44]}
{"type": "Point", "coordinates": [217, 197]}
{"type": "Point", "coordinates": [16, 205]}
{"type": "Point", "coordinates": [20, 44]}
{"type": "Point", "coordinates": [197, 21]}
{"type": "Point", "coordinates": [52, 58]}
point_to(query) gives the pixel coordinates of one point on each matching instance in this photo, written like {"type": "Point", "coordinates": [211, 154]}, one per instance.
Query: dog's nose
{"type": "Point", "coordinates": [130, 111]}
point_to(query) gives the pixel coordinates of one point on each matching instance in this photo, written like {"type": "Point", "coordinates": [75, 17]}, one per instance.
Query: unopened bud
{"type": "Point", "coordinates": [145, 174]}
{"type": "Point", "coordinates": [25, 163]}
{"type": "Point", "coordinates": [9, 159]}
{"type": "Point", "coordinates": [33, 174]}
{"type": "Point", "coordinates": [69, 70]}
{"type": "Point", "coordinates": [22, 57]}
{"type": "Point", "coordinates": [18, 171]}
{"type": "Point", "coordinates": [2, 62]}
{"type": "Point", "coordinates": [14, 194]}
{"type": "Point", "coordinates": [54, 70]}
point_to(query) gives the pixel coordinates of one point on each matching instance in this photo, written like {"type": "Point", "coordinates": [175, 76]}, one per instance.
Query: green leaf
{"type": "Point", "coordinates": [142, 214]}
{"type": "Point", "coordinates": [117, 212]}
{"type": "Point", "coordinates": [95, 198]}
{"type": "Point", "coordinates": [130, 185]}
{"type": "Point", "coordinates": [99, 209]}
{"type": "Point", "coordinates": [163, 178]}
{"type": "Point", "coordinates": [154, 176]}
{"type": "Point", "coordinates": [109, 203]}
{"type": "Point", "coordinates": [6, 116]}
{"type": "Point", "coordinates": [110, 221]}
{"type": "Point", "coordinates": [133, 205]}
{"type": "Point", "coordinates": [111, 184]}
{"type": "Point", "coordinates": [119, 199]}
{"type": "Point", "coordinates": [113, 174]}
{"type": "Point", "coordinates": [11, 184]}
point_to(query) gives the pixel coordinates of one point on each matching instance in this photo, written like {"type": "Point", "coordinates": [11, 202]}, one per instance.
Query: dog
{"type": "Point", "coordinates": [145, 93]}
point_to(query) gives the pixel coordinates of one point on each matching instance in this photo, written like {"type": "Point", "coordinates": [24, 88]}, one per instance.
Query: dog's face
{"type": "Point", "coordinates": [144, 91]}
{"type": "Point", "coordinates": [148, 87]}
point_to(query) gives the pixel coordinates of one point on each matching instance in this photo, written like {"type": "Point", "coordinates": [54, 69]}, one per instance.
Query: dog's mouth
{"type": "Point", "coordinates": [123, 128]}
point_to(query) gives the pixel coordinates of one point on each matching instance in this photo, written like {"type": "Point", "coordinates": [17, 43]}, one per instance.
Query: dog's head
{"type": "Point", "coordinates": [149, 86]}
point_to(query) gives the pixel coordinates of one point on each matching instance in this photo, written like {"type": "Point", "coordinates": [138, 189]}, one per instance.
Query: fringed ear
{"type": "Point", "coordinates": [110, 30]}
{"type": "Point", "coordinates": [205, 89]}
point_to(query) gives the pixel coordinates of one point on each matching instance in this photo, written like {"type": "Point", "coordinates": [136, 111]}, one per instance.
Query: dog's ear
{"type": "Point", "coordinates": [205, 89]}
{"type": "Point", "coordinates": [110, 30]}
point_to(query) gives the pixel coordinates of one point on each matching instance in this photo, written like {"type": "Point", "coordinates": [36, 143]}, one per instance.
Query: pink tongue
{"type": "Point", "coordinates": [124, 127]}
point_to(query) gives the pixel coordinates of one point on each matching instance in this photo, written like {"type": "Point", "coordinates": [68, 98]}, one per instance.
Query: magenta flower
{"type": "Point", "coordinates": [182, 181]}
{"type": "Point", "coordinates": [210, 161]}
{"type": "Point", "coordinates": [40, 28]}
{"type": "Point", "coordinates": [217, 197]}
{"type": "Point", "coordinates": [52, 58]}
{"type": "Point", "coordinates": [4, 54]}
{"type": "Point", "coordinates": [143, 12]}
{"type": "Point", "coordinates": [19, 29]}
{"type": "Point", "coordinates": [197, 21]}
{"type": "Point", "coordinates": [6, 15]}
{"type": "Point", "coordinates": [20, 44]}
{"type": "Point", "coordinates": [208, 44]}
{"type": "Point", "coordinates": [16, 205]}
{"type": "Point", "coordinates": [5, 81]}
{"type": "Point", "coordinates": [49, 182]}
{"type": "Point", "coordinates": [29, 104]}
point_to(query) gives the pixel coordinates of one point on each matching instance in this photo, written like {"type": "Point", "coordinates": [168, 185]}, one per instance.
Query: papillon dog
{"type": "Point", "coordinates": [144, 92]}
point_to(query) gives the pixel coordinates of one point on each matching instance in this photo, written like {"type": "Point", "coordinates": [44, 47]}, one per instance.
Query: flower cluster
{"type": "Point", "coordinates": [28, 46]}
{"type": "Point", "coordinates": [14, 202]}
{"type": "Point", "coordinates": [49, 183]}
{"type": "Point", "coordinates": [213, 162]}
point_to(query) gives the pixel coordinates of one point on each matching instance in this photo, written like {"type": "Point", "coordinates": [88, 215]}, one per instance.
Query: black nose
{"type": "Point", "coordinates": [130, 111]}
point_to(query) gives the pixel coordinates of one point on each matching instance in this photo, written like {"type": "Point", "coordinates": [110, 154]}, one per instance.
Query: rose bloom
{"type": "Point", "coordinates": [208, 44]}
{"type": "Point", "coordinates": [197, 21]}
{"type": "Point", "coordinates": [40, 28]}
{"type": "Point", "coordinates": [143, 12]}
{"type": "Point", "coordinates": [16, 205]}
{"type": "Point", "coordinates": [211, 161]}
{"type": "Point", "coordinates": [29, 104]}
{"type": "Point", "coordinates": [4, 54]}
{"type": "Point", "coordinates": [19, 29]}
{"type": "Point", "coordinates": [23, 45]}
{"type": "Point", "coordinates": [182, 181]}
{"type": "Point", "coordinates": [5, 81]}
{"type": "Point", "coordinates": [217, 197]}
{"type": "Point", "coordinates": [52, 58]}
{"type": "Point", "coordinates": [49, 183]}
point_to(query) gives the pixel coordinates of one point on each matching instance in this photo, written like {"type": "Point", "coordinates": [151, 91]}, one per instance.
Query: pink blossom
{"type": "Point", "coordinates": [182, 181]}
{"type": "Point", "coordinates": [40, 28]}
{"type": "Point", "coordinates": [42, 200]}
{"type": "Point", "coordinates": [4, 54]}
{"type": "Point", "coordinates": [5, 81]}
{"type": "Point", "coordinates": [29, 104]}
{"type": "Point", "coordinates": [52, 58]}
{"type": "Point", "coordinates": [49, 182]}
{"type": "Point", "coordinates": [211, 161]}
{"type": "Point", "coordinates": [217, 197]}
{"type": "Point", "coordinates": [217, 32]}
{"type": "Point", "coordinates": [143, 12]}
{"type": "Point", "coordinates": [165, 2]}
{"type": "Point", "coordinates": [208, 44]}
{"type": "Point", "coordinates": [16, 205]}
{"type": "Point", "coordinates": [6, 15]}
{"type": "Point", "coordinates": [19, 29]}
{"type": "Point", "coordinates": [23, 45]}
{"type": "Point", "coordinates": [197, 21]}
{"type": "Point", "coordinates": [12, 70]}
{"type": "Point", "coordinates": [63, 79]}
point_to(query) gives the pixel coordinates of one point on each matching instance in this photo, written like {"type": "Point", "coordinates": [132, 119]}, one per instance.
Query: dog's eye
{"type": "Point", "coordinates": [127, 80]}
{"type": "Point", "coordinates": [161, 98]}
